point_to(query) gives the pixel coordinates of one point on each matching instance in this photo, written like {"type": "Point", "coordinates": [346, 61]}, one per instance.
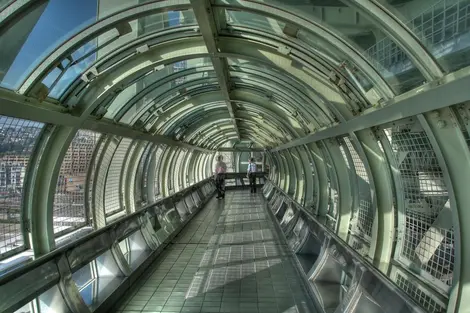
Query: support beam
{"type": "Point", "coordinates": [205, 18]}
{"type": "Point", "coordinates": [23, 107]}
{"type": "Point", "coordinates": [240, 150]}
{"type": "Point", "coordinates": [452, 89]}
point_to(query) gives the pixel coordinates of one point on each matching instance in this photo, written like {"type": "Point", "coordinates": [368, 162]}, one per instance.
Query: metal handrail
{"type": "Point", "coordinates": [13, 274]}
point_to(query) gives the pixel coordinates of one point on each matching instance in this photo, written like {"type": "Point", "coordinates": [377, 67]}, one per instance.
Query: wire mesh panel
{"type": "Point", "coordinates": [185, 174]}
{"type": "Point", "coordinates": [332, 213]}
{"type": "Point", "coordinates": [134, 167]}
{"type": "Point", "coordinates": [176, 170]}
{"type": "Point", "coordinates": [363, 214]}
{"type": "Point", "coordinates": [158, 165]}
{"type": "Point", "coordinates": [106, 155]}
{"type": "Point", "coordinates": [113, 179]}
{"type": "Point", "coordinates": [421, 295]}
{"type": "Point", "coordinates": [17, 140]}
{"type": "Point", "coordinates": [140, 198]}
{"type": "Point", "coordinates": [427, 235]}
{"type": "Point", "coordinates": [69, 201]}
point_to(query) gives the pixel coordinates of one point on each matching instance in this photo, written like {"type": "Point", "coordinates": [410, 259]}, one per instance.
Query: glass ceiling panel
{"type": "Point", "coordinates": [42, 30]}
{"type": "Point", "coordinates": [255, 21]}
{"type": "Point", "coordinates": [149, 93]}
{"type": "Point", "coordinates": [107, 43]}
{"type": "Point", "coordinates": [159, 97]}
{"type": "Point", "coordinates": [389, 60]}
{"type": "Point", "coordinates": [442, 25]}
{"type": "Point", "coordinates": [312, 41]}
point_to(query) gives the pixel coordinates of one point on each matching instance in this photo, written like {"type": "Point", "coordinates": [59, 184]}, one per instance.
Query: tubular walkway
{"type": "Point", "coordinates": [229, 258]}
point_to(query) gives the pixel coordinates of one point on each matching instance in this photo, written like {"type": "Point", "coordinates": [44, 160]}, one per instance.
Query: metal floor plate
{"type": "Point", "coordinates": [229, 258]}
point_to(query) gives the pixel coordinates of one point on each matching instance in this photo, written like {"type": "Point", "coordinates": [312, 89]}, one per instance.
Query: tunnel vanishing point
{"type": "Point", "coordinates": [114, 112]}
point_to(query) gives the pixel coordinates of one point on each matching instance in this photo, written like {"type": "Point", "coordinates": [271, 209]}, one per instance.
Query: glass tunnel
{"type": "Point", "coordinates": [114, 112]}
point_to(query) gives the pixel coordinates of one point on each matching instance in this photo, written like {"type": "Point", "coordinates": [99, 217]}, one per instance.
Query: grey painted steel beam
{"type": "Point", "coordinates": [450, 90]}
{"type": "Point", "coordinates": [204, 15]}
{"type": "Point", "coordinates": [240, 150]}
{"type": "Point", "coordinates": [23, 107]}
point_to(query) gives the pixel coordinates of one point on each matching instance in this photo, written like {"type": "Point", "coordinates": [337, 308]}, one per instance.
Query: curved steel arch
{"type": "Point", "coordinates": [292, 85]}
{"type": "Point", "coordinates": [96, 29]}
{"type": "Point", "coordinates": [291, 94]}
{"type": "Point", "coordinates": [305, 22]}
{"type": "Point", "coordinates": [159, 83]}
{"type": "Point", "coordinates": [210, 98]}
{"type": "Point", "coordinates": [301, 51]}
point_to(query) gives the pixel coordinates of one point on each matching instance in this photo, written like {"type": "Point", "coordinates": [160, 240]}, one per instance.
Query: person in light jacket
{"type": "Point", "coordinates": [219, 176]}
{"type": "Point", "coordinates": [252, 175]}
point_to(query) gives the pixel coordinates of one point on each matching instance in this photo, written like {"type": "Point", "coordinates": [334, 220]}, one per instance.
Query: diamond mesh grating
{"type": "Point", "coordinates": [158, 165]}
{"type": "Point", "coordinates": [332, 188]}
{"type": "Point", "coordinates": [363, 217]}
{"type": "Point", "coordinates": [17, 140]}
{"type": "Point", "coordinates": [428, 239]}
{"type": "Point", "coordinates": [419, 295]}
{"type": "Point", "coordinates": [69, 200]}
{"type": "Point", "coordinates": [113, 179]}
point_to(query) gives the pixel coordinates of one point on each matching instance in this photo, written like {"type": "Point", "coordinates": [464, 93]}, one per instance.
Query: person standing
{"type": "Point", "coordinates": [252, 175]}
{"type": "Point", "coordinates": [219, 176]}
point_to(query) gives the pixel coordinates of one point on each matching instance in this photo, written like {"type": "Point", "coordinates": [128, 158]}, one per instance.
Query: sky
{"type": "Point", "coordinates": [60, 20]}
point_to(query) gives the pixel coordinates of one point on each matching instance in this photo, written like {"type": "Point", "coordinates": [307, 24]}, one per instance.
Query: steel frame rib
{"type": "Point", "coordinates": [24, 107]}
{"type": "Point", "coordinates": [451, 90]}
{"type": "Point", "coordinates": [204, 15]}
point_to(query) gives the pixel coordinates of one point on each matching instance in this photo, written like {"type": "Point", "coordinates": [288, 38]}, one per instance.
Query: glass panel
{"type": "Point", "coordinates": [256, 21]}
{"type": "Point", "coordinates": [51, 24]}
{"type": "Point", "coordinates": [27, 308]}
{"type": "Point", "coordinates": [109, 42]}
{"type": "Point", "coordinates": [112, 197]}
{"type": "Point", "coordinates": [17, 140]}
{"type": "Point", "coordinates": [52, 301]}
{"type": "Point", "coordinates": [375, 45]}
{"type": "Point", "coordinates": [83, 276]}
{"type": "Point", "coordinates": [4, 3]}
{"type": "Point", "coordinates": [47, 27]}
{"type": "Point", "coordinates": [442, 25]}
{"type": "Point", "coordinates": [69, 201]}
{"type": "Point", "coordinates": [148, 94]}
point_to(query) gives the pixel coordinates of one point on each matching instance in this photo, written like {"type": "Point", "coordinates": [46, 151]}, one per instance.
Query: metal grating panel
{"type": "Point", "coordinates": [419, 294]}
{"type": "Point", "coordinates": [133, 174]}
{"type": "Point", "coordinates": [106, 151]}
{"type": "Point", "coordinates": [363, 216]}
{"type": "Point", "coordinates": [176, 173]}
{"type": "Point", "coordinates": [332, 189]}
{"type": "Point", "coordinates": [428, 240]}
{"type": "Point", "coordinates": [69, 201]}
{"type": "Point", "coordinates": [113, 180]}
{"type": "Point", "coordinates": [158, 165]}
{"type": "Point", "coordinates": [17, 140]}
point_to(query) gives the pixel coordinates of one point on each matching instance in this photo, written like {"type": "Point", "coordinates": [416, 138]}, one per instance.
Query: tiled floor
{"type": "Point", "coordinates": [227, 259]}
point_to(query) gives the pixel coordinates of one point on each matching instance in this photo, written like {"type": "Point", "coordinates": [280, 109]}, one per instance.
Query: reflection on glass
{"type": "Point", "coordinates": [384, 54]}
{"type": "Point", "coordinates": [83, 276]}
{"type": "Point", "coordinates": [48, 26]}
{"type": "Point", "coordinates": [110, 41]}
{"type": "Point", "coordinates": [255, 21]}
{"type": "Point", "coordinates": [52, 301]}
{"type": "Point", "coordinates": [17, 140]}
{"type": "Point", "coordinates": [322, 48]}
{"type": "Point", "coordinates": [442, 25]}
{"type": "Point", "coordinates": [27, 308]}
{"type": "Point", "coordinates": [150, 94]}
